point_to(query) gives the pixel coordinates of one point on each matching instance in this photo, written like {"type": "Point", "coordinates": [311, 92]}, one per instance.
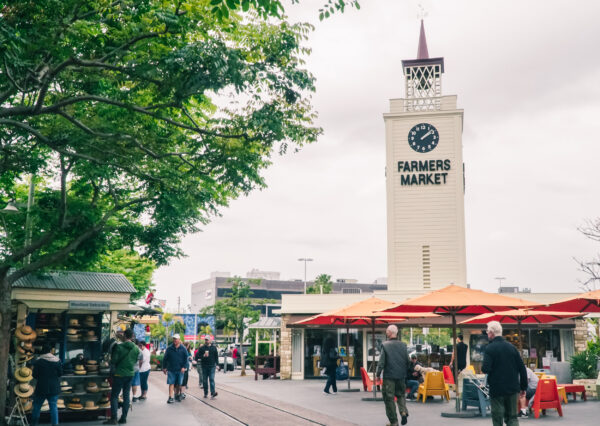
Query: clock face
{"type": "Point", "coordinates": [423, 137]}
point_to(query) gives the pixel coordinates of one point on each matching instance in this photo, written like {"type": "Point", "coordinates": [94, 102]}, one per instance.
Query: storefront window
{"type": "Point", "coordinates": [351, 354]}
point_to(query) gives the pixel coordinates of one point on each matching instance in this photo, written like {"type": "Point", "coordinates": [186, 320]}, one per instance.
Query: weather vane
{"type": "Point", "coordinates": [422, 12]}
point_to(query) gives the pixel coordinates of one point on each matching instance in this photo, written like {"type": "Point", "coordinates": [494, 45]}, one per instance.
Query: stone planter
{"type": "Point", "coordinates": [591, 389]}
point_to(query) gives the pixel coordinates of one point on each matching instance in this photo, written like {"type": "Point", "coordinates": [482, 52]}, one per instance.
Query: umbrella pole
{"type": "Point", "coordinates": [374, 352]}
{"type": "Point", "coordinates": [520, 337]}
{"type": "Point", "coordinates": [455, 359]}
{"type": "Point", "coordinates": [348, 352]}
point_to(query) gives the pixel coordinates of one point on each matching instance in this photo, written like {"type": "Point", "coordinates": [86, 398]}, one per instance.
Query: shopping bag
{"type": "Point", "coordinates": [341, 372]}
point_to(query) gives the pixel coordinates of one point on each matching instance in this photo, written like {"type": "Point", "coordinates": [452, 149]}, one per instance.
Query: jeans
{"type": "Point", "coordinates": [330, 380]}
{"type": "Point", "coordinates": [413, 385]}
{"type": "Point", "coordinates": [144, 380]}
{"type": "Point", "coordinates": [37, 406]}
{"type": "Point", "coordinates": [208, 375]}
{"type": "Point", "coordinates": [504, 409]}
{"type": "Point", "coordinates": [394, 388]}
{"type": "Point", "coordinates": [120, 383]}
{"type": "Point", "coordinates": [199, 368]}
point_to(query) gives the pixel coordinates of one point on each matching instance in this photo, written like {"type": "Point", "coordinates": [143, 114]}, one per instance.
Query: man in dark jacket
{"type": "Point", "coordinates": [208, 358]}
{"type": "Point", "coordinates": [47, 371]}
{"type": "Point", "coordinates": [414, 377]}
{"type": "Point", "coordinates": [394, 363]}
{"type": "Point", "coordinates": [506, 376]}
{"type": "Point", "coordinates": [123, 358]}
{"type": "Point", "coordinates": [175, 363]}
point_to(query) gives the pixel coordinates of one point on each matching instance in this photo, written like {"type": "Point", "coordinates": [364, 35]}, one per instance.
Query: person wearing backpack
{"type": "Point", "coordinates": [329, 360]}
{"type": "Point", "coordinates": [123, 358]}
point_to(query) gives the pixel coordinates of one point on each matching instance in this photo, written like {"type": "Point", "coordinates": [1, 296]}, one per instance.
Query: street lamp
{"type": "Point", "coordinates": [305, 259]}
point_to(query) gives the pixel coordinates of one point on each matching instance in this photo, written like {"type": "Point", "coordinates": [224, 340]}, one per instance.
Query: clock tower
{"type": "Point", "coordinates": [424, 181]}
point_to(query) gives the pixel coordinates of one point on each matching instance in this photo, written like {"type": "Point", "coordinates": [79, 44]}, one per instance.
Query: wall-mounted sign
{"type": "Point", "coordinates": [88, 305]}
{"type": "Point", "coordinates": [424, 172]}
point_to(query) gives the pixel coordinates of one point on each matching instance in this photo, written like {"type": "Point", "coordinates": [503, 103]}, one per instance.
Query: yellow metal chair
{"type": "Point", "coordinates": [433, 385]}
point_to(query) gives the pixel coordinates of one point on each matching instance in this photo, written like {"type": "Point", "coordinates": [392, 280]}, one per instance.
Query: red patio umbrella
{"type": "Point", "coordinates": [453, 300]}
{"type": "Point", "coordinates": [364, 312]}
{"type": "Point", "coordinates": [582, 303]}
{"type": "Point", "coordinates": [520, 316]}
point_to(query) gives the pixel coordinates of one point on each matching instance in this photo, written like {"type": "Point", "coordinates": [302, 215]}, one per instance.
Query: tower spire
{"type": "Point", "coordinates": [422, 53]}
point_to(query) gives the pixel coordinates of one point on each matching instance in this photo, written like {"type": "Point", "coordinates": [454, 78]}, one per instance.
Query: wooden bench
{"type": "Point", "coordinates": [569, 388]}
{"type": "Point", "coordinates": [266, 365]}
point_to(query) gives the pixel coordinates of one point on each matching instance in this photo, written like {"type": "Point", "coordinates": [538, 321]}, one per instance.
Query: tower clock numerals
{"type": "Point", "coordinates": [423, 137]}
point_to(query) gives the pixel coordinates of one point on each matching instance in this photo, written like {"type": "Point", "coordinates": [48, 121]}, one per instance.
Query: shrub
{"type": "Point", "coordinates": [584, 364]}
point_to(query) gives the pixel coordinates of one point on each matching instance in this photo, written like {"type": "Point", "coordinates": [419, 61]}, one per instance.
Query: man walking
{"type": "Point", "coordinates": [506, 376]}
{"type": "Point", "coordinates": [208, 357]}
{"type": "Point", "coordinates": [123, 357]}
{"type": "Point", "coordinates": [175, 364]}
{"type": "Point", "coordinates": [394, 363]}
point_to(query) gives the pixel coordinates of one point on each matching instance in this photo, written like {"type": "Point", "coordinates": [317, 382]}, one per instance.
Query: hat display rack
{"type": "Point", "coordinates": [76, 339]}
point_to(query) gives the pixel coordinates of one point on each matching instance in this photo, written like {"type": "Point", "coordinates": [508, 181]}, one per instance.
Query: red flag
{"type": "Point", "coordinates": [149, 298]}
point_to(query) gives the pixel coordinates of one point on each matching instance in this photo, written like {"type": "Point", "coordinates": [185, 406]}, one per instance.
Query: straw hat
{"type": "Point", "coordinates": [45, 407]}
{"type": "Point", "coordinates": [75, 404]}
{"type": "Point", "coordinates": [89, 321]}
{"type": "Point", "coordinates": [90, 405]}
{"type": "Point", "coordinates": [104, 402]}
{"type": "Point", "coordinates": [60, 403]}
{"type": "Point", "coordinates": [25, 357]}
{"type": "Point", "coordinates": [74, 322]}
{"type": "Point", "coordinates": [104, 385]}
{"type": "Point", "coordinates": [25, 333]}
{"type": "Point", "coordinates": [65, 387]}
{"type": "Point", "coordinates": [90, 336]}
{"type": "Point", "coordinates": [23, 390]}
{"type": "Point", "coordinates": [25, 348]}
{"type": "Point", "coordinates": [23, 374]}
{"type": "Point", "coordinates": [80, 370]}
{"type": "Point", "coordinates": [92, 387]}
{"type": "Point", "coordinates": [79, 389]}
{"type": "Point", "coordinates": [27, 404]}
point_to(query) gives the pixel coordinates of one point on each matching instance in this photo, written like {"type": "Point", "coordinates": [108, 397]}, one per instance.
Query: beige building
{"type": "Point", "coordinates": [425, 181]}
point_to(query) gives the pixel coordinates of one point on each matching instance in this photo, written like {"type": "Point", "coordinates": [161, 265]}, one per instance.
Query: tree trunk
{"type": "Point", "coordinates": [5, 319]}
{"type": "Point", "coordinates": [241, 353]}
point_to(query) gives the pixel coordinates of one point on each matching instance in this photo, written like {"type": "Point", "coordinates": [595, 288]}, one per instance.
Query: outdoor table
{"type": "Point", "coordinates": [569, 388]}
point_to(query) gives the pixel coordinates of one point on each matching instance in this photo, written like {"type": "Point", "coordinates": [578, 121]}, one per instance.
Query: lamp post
{"type": "Point", "coordinates": [305, 259]}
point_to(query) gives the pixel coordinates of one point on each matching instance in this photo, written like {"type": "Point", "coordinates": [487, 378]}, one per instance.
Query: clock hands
{"type": "Point", "coordinates": [427, 134]}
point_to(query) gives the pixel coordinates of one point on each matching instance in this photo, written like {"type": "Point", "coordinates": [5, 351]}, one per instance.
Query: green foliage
{"type": "Point", "coordinates": [129, 263]}
{"type": "Point", "coordinates": [140, 121]}
{"type": "Point", "coordinates": [322, 284]}
{"type": "Point", "coordinates": [266, 8]}
{"type": "Point", "coordinates": [584, 364]}
{"type": "Point", "coordinates": [157, 360]}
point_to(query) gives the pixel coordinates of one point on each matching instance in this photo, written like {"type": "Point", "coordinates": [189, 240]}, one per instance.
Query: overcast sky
{"type": "Point", "coordinates": [527, 76]}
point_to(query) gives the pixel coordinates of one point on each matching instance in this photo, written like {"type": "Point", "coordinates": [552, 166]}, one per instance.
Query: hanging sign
{"type": "Point", "coordinates": [89, 305]}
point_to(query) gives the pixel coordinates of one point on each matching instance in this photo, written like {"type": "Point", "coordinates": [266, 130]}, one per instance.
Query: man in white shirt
{"type": "Point", "coordinates": [532, 382]}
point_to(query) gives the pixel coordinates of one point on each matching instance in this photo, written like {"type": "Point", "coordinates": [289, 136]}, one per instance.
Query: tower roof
{"type": "Point", "coordinates": [422, 52]}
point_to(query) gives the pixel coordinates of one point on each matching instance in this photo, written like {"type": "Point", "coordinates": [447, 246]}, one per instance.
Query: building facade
{"type": "Point", "coordinates": [425, 181]}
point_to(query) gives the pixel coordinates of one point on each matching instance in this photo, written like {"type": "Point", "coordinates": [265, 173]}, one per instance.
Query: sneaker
{"type": "Point", "coordinates": [334, 393]}
{"type": "Point", "coordinates": [523, 414]}
{"type": "Point", "coordinates": [169, 401]}
{"type": "Point", "coordinates": [134, 399]}
{"type": "Point", "coordinates": [178, 398]}
{"type": "Point", "coordinates": [142, 398]}
{"type": "Point", "coordinates": [205, 395]}
{"type": "Point", "coordinates": [122, 420]}
{"type": "Point", "coordinates": [109, 422]}
{"type": "Point", "coordinates": [182, 396]}
{"type": "Point", "coordinates": [404, 419]}
{"type": "Point", "coordinates": [326, 393]}
{"type": "Point", "coordinates": [214, 394]}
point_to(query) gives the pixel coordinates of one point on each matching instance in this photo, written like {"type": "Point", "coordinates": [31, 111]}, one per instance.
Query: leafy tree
{"type": "Point", "coordinates": [237, 308]}
{"type": "Point", "coordinates": [266, 8]}
{"type": "Point", "coordinates": [137, 269]}
{"type": "Point", "coordinates": [322, 285]}
{"type": "Point", "coordinates": [137, 120]}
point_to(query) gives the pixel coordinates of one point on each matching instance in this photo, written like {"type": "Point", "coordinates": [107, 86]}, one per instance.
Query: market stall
{"type": "Point", "coordinates": [74, 313]}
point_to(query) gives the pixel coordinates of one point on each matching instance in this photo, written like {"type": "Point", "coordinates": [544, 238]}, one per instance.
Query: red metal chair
{"type": "Point", "coordinates": [368, 382]}
{"type": "Point", "coordinates": [448, 376]}
{"type": "Point", "coordinates": [546, 396]}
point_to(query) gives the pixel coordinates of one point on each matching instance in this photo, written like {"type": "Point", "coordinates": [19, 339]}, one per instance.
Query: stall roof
{"type": "Point", "coordinates": [77, 281]}
{"type": "Point", "coordinates": [267, 322]}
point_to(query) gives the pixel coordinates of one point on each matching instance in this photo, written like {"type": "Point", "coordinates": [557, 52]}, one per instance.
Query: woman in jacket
{"type": "Point", "coordinates": [47, 371]}
{"type": "Point", "coordinates": [329, 359]}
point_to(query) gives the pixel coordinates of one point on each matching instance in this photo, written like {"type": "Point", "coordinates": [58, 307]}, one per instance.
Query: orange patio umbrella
{"type": "Point", "coordinates": [365, 312]}
{"type": "Point", "coordinates": [454, 300]}
{"type": "Point", "coordinates": [583, 303]}
{"type": "Point", "coordinates": [521, 316]}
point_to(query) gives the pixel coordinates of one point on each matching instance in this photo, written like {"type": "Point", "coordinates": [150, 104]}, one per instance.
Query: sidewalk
{"type": "Point", "coordinates": [351, 408]}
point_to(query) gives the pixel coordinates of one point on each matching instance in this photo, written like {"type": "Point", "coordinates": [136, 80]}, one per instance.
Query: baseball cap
{"type": "Point", "coordinates": [176, 336]}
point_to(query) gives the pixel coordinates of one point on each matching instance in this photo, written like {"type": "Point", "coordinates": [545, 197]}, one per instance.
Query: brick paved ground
{"type": "Point", "coordinates": [242, 400]}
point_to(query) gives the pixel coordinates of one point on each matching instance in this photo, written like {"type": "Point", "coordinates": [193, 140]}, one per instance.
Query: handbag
{"type": "Point", "coordinates": [341, 372]}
